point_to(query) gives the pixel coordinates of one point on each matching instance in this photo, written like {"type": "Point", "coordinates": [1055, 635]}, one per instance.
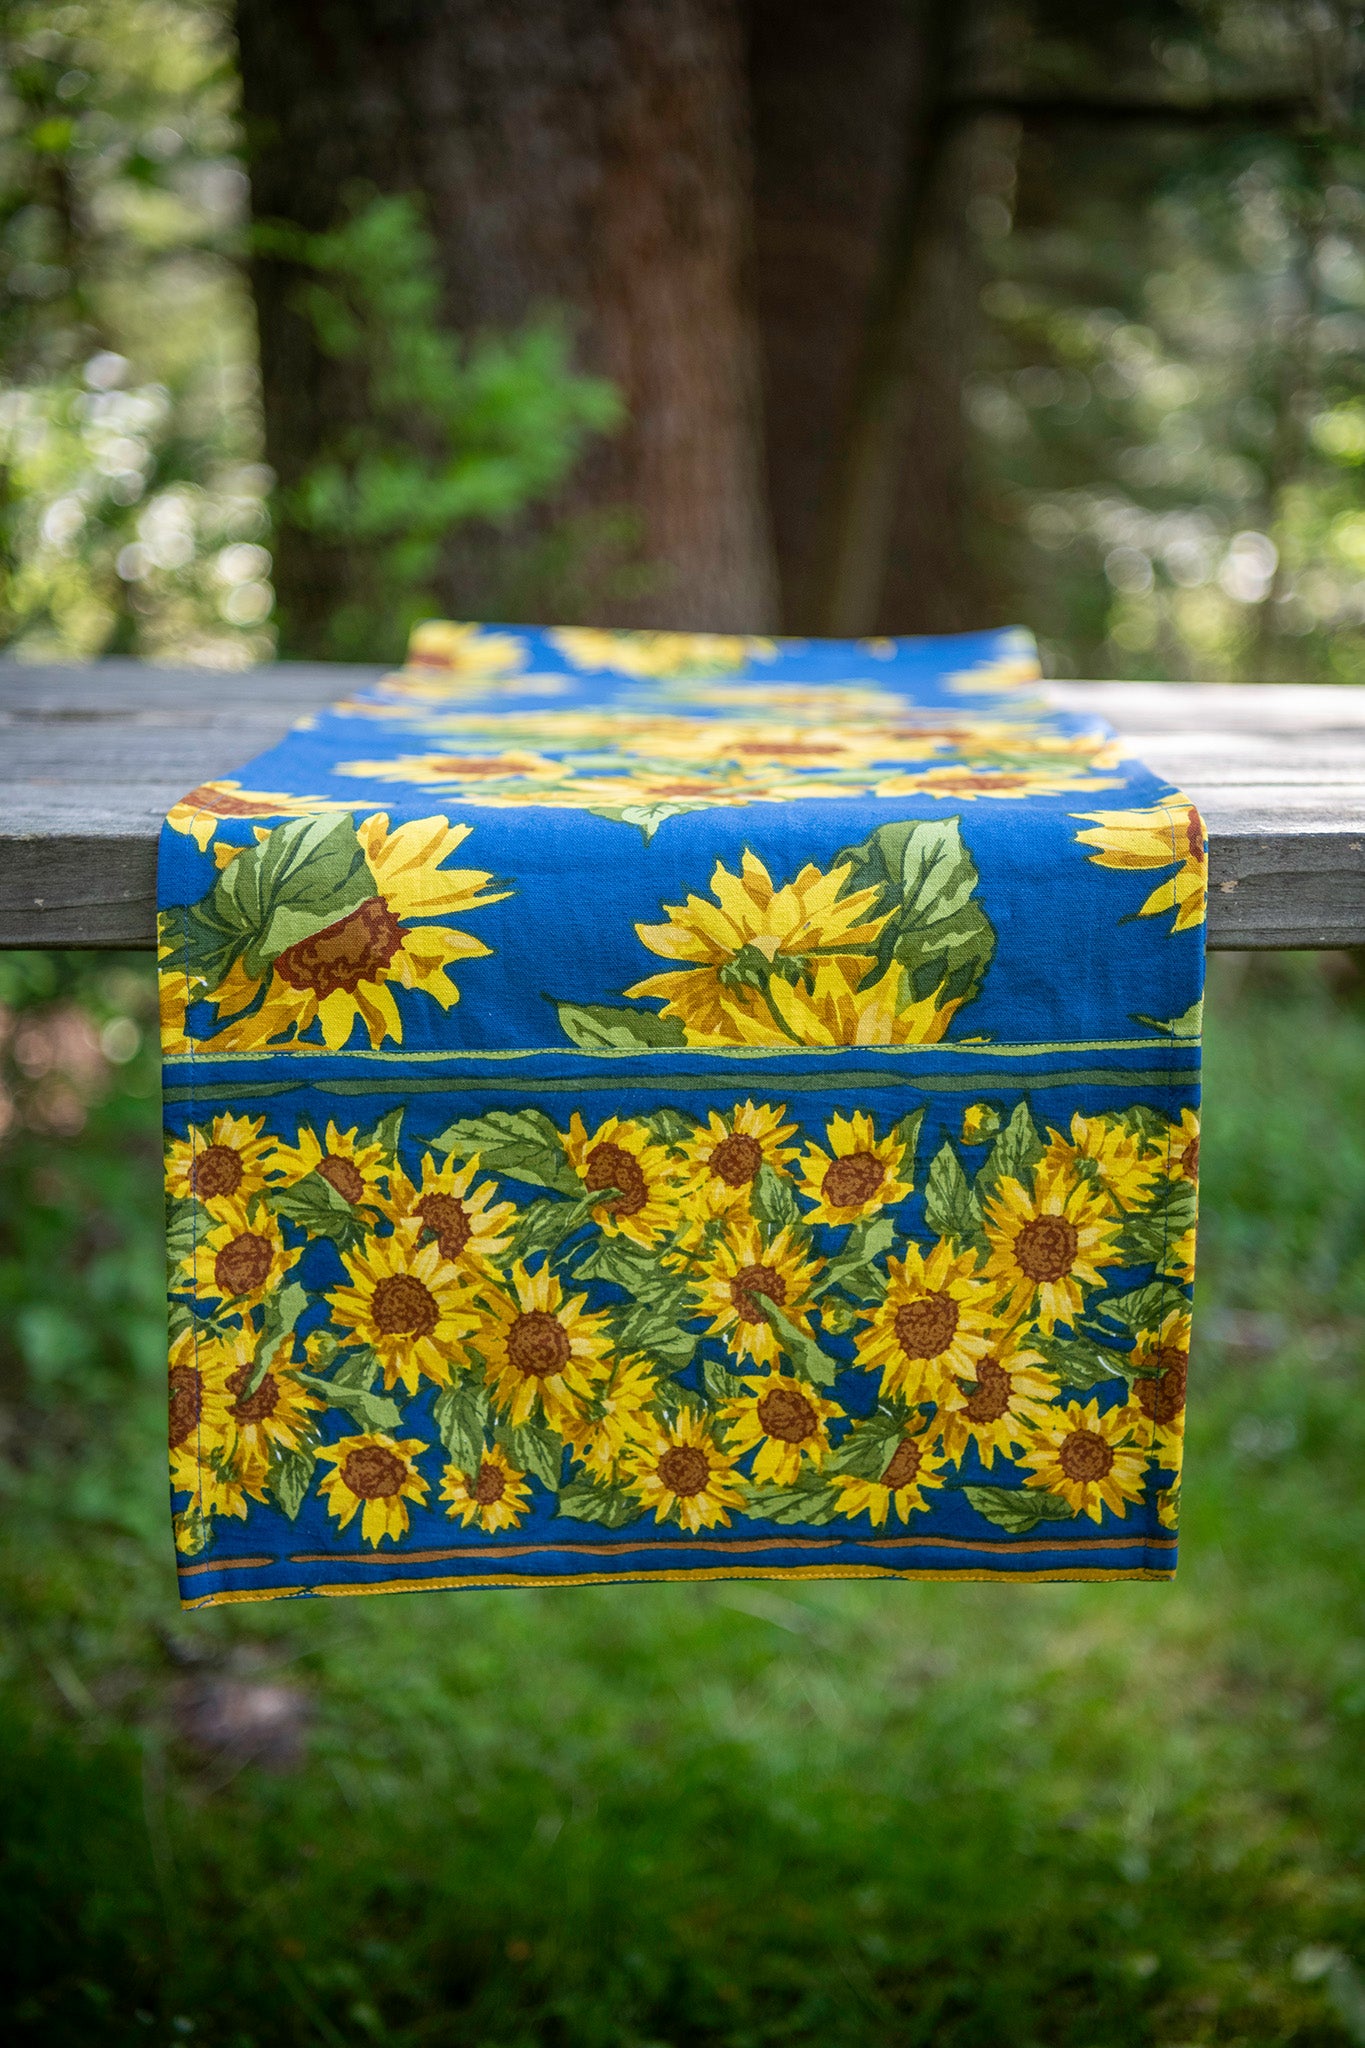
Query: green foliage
{"type": "Point", "coordinates": [449, 432]}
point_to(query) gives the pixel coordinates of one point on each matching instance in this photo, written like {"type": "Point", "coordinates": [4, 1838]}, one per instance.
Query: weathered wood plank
{"type": "Point", "coordinates": [92, 758]}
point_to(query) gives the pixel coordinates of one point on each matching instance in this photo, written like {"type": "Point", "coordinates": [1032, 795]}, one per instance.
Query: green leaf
{"type": "Point", "coordinates": [461, 1415]}
{"type": "Point", "coordinates": [1078, 1361]}
{"type": "Point", "coordinates": [611, 1506]}
{"type": "Point", "coordinates": [533, 1449]}
{"type": "Point", "coordinates": [950, 1206]}
{"type": "Point", "coordinates": [1013, 1156]}
{"type": "Point", "coordinates": [937, 933]}
{"type": "Point", "coordinates": [314, 1205]}
{"type": "Point", "coordinates": [1189, 1024]}
{"type": "Point", "coordinates": [671, 1126]}
{"type": "Point", "coordinates": [656, 1334]}
{"type": "Point", "coordinates": [193, 1532]}
{"type": "Point", "coordinates": [386, 1134]}
{"type": "Point", "coordinates": [598, 1027]}
{"type": "Point", "coordinates": [282, 1310]}
{"type": "Point", "coordinates": [371, 1411]}
{"type": "Point", "coordinates": [870, 1445]}
{"type": "Point", "coordinates": [772, 1200]}
{"type": "Point", "coordinates": [1145, 1123]}
{"type": "Point", "coordinates": [303, 876]}
{"type": "Point", "coordinates": [634, 1268]}
{"type": "Point", "coordinates": [1148, 1234]}
{"type": "Point", "coordinates": [854, 1268]}
{"type": "Point", "coordinates": [813, 1503]}
{"type": "Point", "coordinates": [543, 1225]}
{"type": "Point", "coordinates": [522, 1143]}
{"type": "Point", "coordinates": [289, 1478]}
{"type": "Point", "coordinates": [1018, 1509]}
{"type": "Point", "coordinates": [186, 1224]}
{"type": "Point", "coordinates": [672, 1399]}
{"type": "Point", "coordinates": [1143, 1309]}
{"type": "Point", "coordinates": [720, 1385]}
{"type": "Point", "coordinates": [803, 1354]}
{"type": "Point", "coordinates": [359, 1368]}
{"type": "Point", "coordinates": [906, 1132]}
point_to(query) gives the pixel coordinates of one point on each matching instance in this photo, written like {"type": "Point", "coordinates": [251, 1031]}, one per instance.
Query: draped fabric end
{"type": "Point", "coordinates": [654, 1106]}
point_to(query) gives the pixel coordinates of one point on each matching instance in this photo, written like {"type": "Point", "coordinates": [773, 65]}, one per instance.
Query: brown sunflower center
{"type": "Point", "coordinates": [991, 1396]}
{"type": "Point", "coordinates": [354, 949]}
{"type": "Point", "coordinates": [372, 1472]}
{"type": "Point", "coordinates": [925, 1328]}
{"type": "Point", "coordinates": [538, 1344]}
{"type": "Point", "coordinates": [220, 803]}
{"type": "Point", "coordinates": [257, 1406]}
{"type": "Point", "coordinates": [611, 1166]}
{"type": "Point", "coordinates": [217, 1171]}
{"type": "Point", "coordinates": [1045, 1248]}
{"type": "Point", "coordinates": [851, 1181]}
{"type": "Point", "coordinates": [1085, 1455]}
{"type": "Point", "coordinates": [904, 1467]}
{"type": "Point", "coordinates": [446, 1216]}
{"type": "Point", "coordinates": [683, 1469]}
{"type": "Point", "coordinates": [749, 1283]}
{"type": "Point", "coordinates": [344, 1175]}
{"type": "Point", "coordinates": [1194, 836]}
{"type": "Point", "coordinates": [187, 1398]}
{"type": "Point", "coordinates": [403, 1307]}
{"type": "Point", "coordinates": [787, 1415]}
{"type": "Point", "coordinates": [491, 1484]}
{"type": "Point", "coordinates": [736, 1159]}
{"type": "Point", "coordinates": [243, 1263]}
{"type": "Point", "coordinates": [1161, 1397]}
{"type": "Point", "coordinates": [1189, 1160]}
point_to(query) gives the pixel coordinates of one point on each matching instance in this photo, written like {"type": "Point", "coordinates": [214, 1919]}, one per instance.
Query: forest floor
{"type": "Point", "coordinates": [966, 1815]}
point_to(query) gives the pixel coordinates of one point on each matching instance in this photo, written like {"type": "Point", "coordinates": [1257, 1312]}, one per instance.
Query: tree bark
{"type": "Point", "coordinates": [586, 154]}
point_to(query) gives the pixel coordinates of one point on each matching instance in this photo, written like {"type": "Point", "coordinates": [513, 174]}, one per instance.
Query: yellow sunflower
{"type": "Point", "coordinates": [1183, 1148]}
{"type": "Point", "coordinates": [862, 1176]}
{"type": "Point", "coordinates": [1086, 1456]}
{"type": "Point", "coordinates": [725, 1155]}
{"type": "Point", "coordinates": [221, 1163]}
{"type": "Point", "coordinates": [939, 1318]}
{"type": "Point", "coordinates": [1048, 1246]}
{"type": "Point", "coordinates": [787, 1423]}
{"type": "Point", "coordinates": [410, 1305]}
{"type": "Point", "coordinates": [751, 945]}
{"type": "Point", "coordinates": [915, 1468]}
{"type": "Point", "coordinates": [683, 1474]}
{"type": "Point", "coordinates": [649, 1181]}
{"type": "Point", "coordinates": [1168, 1506]}
{"type": "Point", "coordinates": [541, 1347]}
{"type": "Point", "coordinates": [348, 972]}
{"type": "Point", "coordinates": [513, 773]}
{"type": "Point", "coordinates": [980, 1123]}
{"type": "Point", "coordinates": [473, 653]}
{"type": "Point", "coordinates": [198, 1412]}
{"type": "Point", "coordinates": [627, 653]}
{"type": "Point", "coordinates": [496, 1497]}
{"type": "Point", "coordinates": [737, 1270]}
{"type": "Point", "coordinates": [198, 813]}
{"type": "Point", "coordinates": [1115, 1160]}
{"type": "Point", "coordinates": [356, 1171]}
{"type": "Point", "coordinates": [455, 1208]}
{"type": "Point", "coordinates": [993, 1409]}
{"type": "Point", "coordinates": [242, 1258]}
{"type": "Point", "coordinates": [1178, 1261]}
{"type": "Point", "coordinates": [967, 783]}
{"type": "Point", "coordinates": [1165, 835]}
{"type": "Point", "coordinates": [1158, 1393]}
{"type": "Point", "coordinates": [279, 1416]}
{"type": "Point", "coordinates": [376, 1473]}
{"type": "Point", "coordinates": [615, 1415]}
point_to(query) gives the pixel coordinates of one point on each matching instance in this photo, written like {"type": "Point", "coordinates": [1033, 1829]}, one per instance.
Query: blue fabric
{"type": "Point", "coordinates": [649, 1105]}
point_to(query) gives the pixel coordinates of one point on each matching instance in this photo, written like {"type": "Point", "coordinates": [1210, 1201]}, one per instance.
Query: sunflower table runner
{"type": "Point", "coordinates": [646, 1105]}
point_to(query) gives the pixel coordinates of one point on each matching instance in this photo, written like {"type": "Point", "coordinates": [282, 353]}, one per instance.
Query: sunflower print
{"type": "Point", "coordinates": [353, 1167]}
{"type": "Point", "coordinates": [1049, 1245]}
{"type": "Point", "coordinates": [648, 1180]}
{"type": "Point", "coordinates": [242, 1258]}
{"type": "Point", "coordinates": [959, 783]}
{"type": "Point", "coordinates": [938, 1319]}
{"type": "Point", "coordinates": [615, 1416]}
{"type": "Point", "coordinates": [784, 1422]}
{"type": "Point", "coordinates": [470, 653]}
{"type": "Point", "coordinates": [221, 1164]}
{"type": "Point", "coordinates": [913, 1471]}
{"type": "Point", "coordinates": [729, 1151]}
{"type": "Point", "coordinates": [859, 1175]}
{"type": "Point", "coordinates": [410, 1305]}
{"type": "Point", "coordinates": [1100, 1149]}
{"type": "Point", "coordinates": [542, 1349]}
{"type": "Point", "coordinates": [198, 1418]}
{"type": "Point", "coordinates": [377, 1474]}
{"type": "Point", "coordinates": [280, 1414]}
{"type": "Point", "coordinates": [1182, 1149]}
{"type": "Point", "coordinates": [1160, 1365]}
{"type": "Point", "coordinates": [682, 1475]}
{"type": "Point", "coordinates": [993, 1410]}
{"type": "Point", "coordinates": [495, 1497]}
{"type": "Point", "coordinates": [740, 1272]}
{"type": "Point", "coordinates": [1166, 835]}
{"type": "Point", "coordinates": [345, 976]}
{"type": "Point", "coordinates": [198, 814]}
{"type": "Point", "coordinates": [451, 1207]}
{"type": "Point", "coordinates": [658, 654]}
{"type": "Point", "coordinates": [1088, 1456]}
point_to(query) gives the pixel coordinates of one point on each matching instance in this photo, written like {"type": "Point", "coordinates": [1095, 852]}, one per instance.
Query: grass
{"type": "Point", "coordinates": [1070, 1816]}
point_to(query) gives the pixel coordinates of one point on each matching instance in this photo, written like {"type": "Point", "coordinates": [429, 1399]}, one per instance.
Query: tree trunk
{"type": "Point", "coordinates": [589, 154]}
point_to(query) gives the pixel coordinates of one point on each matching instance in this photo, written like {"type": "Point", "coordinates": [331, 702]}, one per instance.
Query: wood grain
{"type": "Point", "coordinates": [92, 758]}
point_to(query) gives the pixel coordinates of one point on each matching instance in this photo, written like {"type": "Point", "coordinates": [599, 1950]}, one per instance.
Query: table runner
{"type": "Point", "coordinates": [656, 1105]}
